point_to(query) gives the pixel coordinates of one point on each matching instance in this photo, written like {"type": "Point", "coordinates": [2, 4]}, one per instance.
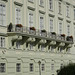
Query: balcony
{"type": "Point", "coordinates": [39, 34]}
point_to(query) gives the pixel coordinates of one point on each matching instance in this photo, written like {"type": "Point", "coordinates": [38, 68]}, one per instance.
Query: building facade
{"type": "Point", "coordinates": [36, 36]}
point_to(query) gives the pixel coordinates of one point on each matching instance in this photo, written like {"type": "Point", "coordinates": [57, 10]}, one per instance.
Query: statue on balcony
{"type": "Point", "coordinates": [10, 27]}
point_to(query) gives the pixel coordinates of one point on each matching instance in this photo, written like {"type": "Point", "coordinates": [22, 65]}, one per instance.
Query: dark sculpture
{"type": "Point", "coordinates": [10, 27]}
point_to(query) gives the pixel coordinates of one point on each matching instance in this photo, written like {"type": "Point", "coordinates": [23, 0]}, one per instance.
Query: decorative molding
{"type": "Point", "coordinates": [31, 8]}
{"type": "Point", "coordinates": [17, 3]}
{"type": "Point", "coordinates": [51, 15]}
{"type": "Point", "coordinates": [60, 18]}
{"type": "Point", "coordinates": [43, 12]}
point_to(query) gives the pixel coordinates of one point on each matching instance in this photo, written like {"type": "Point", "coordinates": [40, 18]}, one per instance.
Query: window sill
{"type": "Point", "coordinates": [2, 48]}
{"type": "Point", "coordinates": [3, 26]}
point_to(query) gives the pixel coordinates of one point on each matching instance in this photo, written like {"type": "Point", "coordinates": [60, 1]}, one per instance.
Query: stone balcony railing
{"type": "Point", "coordinates": [26, 31]}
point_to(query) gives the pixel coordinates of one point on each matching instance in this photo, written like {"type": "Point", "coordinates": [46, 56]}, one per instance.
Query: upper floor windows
{"type": "Point", "coordinates": [60, 27]}
{"type": "Point", "coordinates": [41, 22]}
{"type": "Point", "coordinates": [67, 11]}
{"type": "Point", "coordinates": [74, 31]}
{"type": "Point", "coordinates": [2, 42]}
{"type": "Point", "coordinates": [74, 13]}
{"type": "Point", "coordinates": [51, 4]}
{"type": "Point", "coordinates": [41, 2]}
{"type": "Point", "coordinates": [68, 29]}
{"type": "Point", "coordinates": [30, 21]}
{"type": "Point", "coordinates": [17, 15]}
{"type": "Point", "coordinates": [2, 14]}
{"type": "Point", "coordinates": [59, 4]}
{"type": "Point", "coordinates": [2, 67]}
{"type": "Point", "coordinates": [51, 25]}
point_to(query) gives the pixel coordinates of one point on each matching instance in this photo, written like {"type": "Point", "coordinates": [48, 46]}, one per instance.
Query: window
{"type": "Point", "coordinates": [52, 66]}
{"type": "Point", "coordinates": [31, 67]}
{"type": "Point", "coordinates": [51, 4]}
{"type": "Point", "coordinates": [30, 19]}
{"type": "Point", "coordinates": [51, 25]}
{"type": "Point", "coordinates": [59, 7]}
{"type": "Point", "coordinates": [2, 14]}
{"type": "Point", "coordinates": [18, 43]}
{"type": "Point", "coordinates": [43, 67]}
{"type": "Point", "coordinates": [41, 23]}
{"type": "Point", "coordinates": [61, 66]}
{"type": "Point", "coordinates": [41, 2]}
{"type": "Point", "coordinates": [2, 42]}
{"type": "Point", "coordinates": [2, 67]}
{"type": "Point", "coordinates": [67, 11]}
{"type": "Point", "coordinates": [52, 48]}
{"type": "Point", "coordinates": [68, 30]}
{"type": "Point", "coordinates": [74, 31]}
{"type": "Point", "coordinates": [42, 47]}
{"type": "Point", "coordinates": [17, 15]}
{"type": "Point", "coordinates": [18, 67]}
{"type": "Point", "coordinates": [60, 49]}
{"type": "Point", "coordinates": [74, 13]}
{"type": "Point", "coordinates": [68, 50]}
{"type": "Point", "coordinates": [60, 27]}
{"type": "Point", "coordinates": [31, 46]}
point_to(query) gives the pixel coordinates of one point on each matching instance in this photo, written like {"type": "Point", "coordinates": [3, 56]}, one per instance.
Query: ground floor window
{"type": "Point", "coordinates": [2, 67]}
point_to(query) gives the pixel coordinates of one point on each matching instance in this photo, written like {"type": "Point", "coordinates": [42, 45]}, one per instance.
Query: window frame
{"type": "Point", "coordinates": [51, 25]}
{"type": "Point", "coordinates": [18, 44]}
{"type": "Point", "coordinates": [60, 7]}
{"type": "Point", "coordinates": [31, 65]}
{"type": "Point", "coordinates": [42, 5]}
{"type": "Point", "coordinates": [51, 5]}
{"type": "Point", "coordinates": [30, 20]}
{"type": "Point", "coordinates": [18, 68]}
{"type": "Point", "coordinates": [19, 8]}
{"type": "Point", "coordinates": [1, 67]}
{"type": "Point", "coordinates": [3, 3]}
{"type": "Point", "coordinates": [42, 67]}
{"type": "Point", "coordinates": [68, 29]}
{"type": "Point", "coordinates": [60, 26]}
{"type": "Point", "coordinates": [2, 41]}
{"type": "Point", "coordinates": [74, 13]}
{"type": "Point", "coordinates": [41, 26]}
{"type": "Point", "coordinates": [67, 10]}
